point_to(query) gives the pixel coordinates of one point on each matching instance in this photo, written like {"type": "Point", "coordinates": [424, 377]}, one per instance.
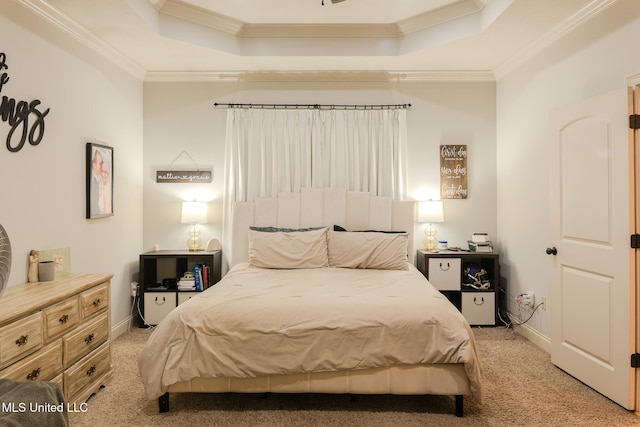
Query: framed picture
{"type": "Point", "coordinates": [99, 160]}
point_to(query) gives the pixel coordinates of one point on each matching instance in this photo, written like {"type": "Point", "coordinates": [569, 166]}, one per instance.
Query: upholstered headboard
{"type": "Point", "coordinates": [313, 207]}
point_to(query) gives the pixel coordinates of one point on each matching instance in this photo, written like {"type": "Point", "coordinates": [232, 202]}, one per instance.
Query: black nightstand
{"type": "Point", "coordinates": [159, 274]}
{"type": "Point", "coordinates": [445, 271]}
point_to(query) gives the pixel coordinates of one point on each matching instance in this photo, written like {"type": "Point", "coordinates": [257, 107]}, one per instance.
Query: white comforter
{"type": "Point", "coordinates": [264, 322]}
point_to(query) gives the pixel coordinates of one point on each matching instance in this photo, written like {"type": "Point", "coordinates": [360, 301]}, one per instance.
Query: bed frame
{"type": "Point", "coordinates": [353, 211]}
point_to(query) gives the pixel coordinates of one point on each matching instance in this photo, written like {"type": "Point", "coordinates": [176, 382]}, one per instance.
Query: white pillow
{"type": "Point", "coordinates": [364, 249]}
{"type": "Point", "coordinates": [287, 250]}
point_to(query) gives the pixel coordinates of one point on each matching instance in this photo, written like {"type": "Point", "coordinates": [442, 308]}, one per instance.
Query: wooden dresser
{"type": "Point", "coordinates": [58, 331]}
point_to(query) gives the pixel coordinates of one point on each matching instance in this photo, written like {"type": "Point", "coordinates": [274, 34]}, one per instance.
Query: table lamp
{"type": "Point", "coordinates": [194, 213]}
{"type": "Point", "coordinates": [430, 212]}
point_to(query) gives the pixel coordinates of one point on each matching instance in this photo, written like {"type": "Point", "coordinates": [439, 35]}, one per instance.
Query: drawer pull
{"type": "Point", "coordinates": [64, 319]}
{"type": "Point", "coordinates": [91, 371]}
{"type": "Point", "coordinates": [475, 300]}
{"type": "Point", "coordinates": [22, 340]}
{"type": "Point", "coordinates": [34, 374]}
{"type": "Point", "coordinates": [96, 303]}
{"type": "Point", "coordinates": [89, 339]}
{"type": "Point", "coordinates": [160, 302]}
{"type": "Point", "coordinates": [443, 268]}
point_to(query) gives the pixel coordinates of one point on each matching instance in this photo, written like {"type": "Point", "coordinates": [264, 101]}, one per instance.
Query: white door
{"type": "Point", "coordinates": [591, 305]}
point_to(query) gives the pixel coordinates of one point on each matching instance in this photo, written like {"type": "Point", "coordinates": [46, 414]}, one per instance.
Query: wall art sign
{"type": "Point", "coordinates": [25, 119]}
{"type": "Point", "coordinates": [99, 159]}
{"type": "Point", "coordinates": [453, 172]}
{"type": "Point", "coordinates": [185, 176]}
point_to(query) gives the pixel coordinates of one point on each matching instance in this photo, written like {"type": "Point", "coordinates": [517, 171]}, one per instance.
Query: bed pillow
{"type": "Point", "coordinates": [278, 229]}
{"type": "Point", "coordinates": [365, 249]}
{"type": "Point", "coordinates": [288, 250]}
{"type": "Point", "coordinates": [340, 228]}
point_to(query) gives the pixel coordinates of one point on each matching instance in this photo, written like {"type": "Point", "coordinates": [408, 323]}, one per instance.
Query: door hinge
{"type": "Point", "coordinates": [634, 121]}
{"type": "Point", "coordinates": [635, 360]}
{"type": "Point", "coordinates": [635, 241]}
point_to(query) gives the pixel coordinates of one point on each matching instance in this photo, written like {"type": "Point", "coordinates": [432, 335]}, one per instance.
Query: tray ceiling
{"type": "Point", "coordinates": [191, 39]}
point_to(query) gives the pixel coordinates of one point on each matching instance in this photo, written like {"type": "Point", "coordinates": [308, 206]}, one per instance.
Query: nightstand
{"type": "Point", "coordinates": [445, 270]}
{"type": "Point", "coordinates": [160, 272]}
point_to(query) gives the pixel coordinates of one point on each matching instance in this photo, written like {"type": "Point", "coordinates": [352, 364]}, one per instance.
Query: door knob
{"type": "Point", "coordinates": [552, 251]}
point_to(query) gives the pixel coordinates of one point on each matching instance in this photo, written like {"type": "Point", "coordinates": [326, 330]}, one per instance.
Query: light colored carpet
{"type": "Point", "coordinates": [521, 388]}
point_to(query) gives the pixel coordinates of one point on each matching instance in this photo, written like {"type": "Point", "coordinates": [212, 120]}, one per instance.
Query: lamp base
{"type": "Point", "coordinates": [194, 243]}
{"type": "Point", "coordinates": [430, 241]}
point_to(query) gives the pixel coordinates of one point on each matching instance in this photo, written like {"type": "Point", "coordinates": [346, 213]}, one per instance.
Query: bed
{"type": "Point", "coordinates": [305, 308]}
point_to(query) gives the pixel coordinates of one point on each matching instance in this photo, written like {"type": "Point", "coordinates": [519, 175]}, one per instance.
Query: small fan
{"type": "Point", "coordinates": [5, 259]}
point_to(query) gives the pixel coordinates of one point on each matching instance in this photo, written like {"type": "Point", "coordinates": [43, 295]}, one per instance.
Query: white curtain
{"type": "Point", "coordinates": [283, 150]}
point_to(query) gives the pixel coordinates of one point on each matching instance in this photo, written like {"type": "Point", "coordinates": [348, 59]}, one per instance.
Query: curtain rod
{"type": "Point", "coordinates": [317, 106]}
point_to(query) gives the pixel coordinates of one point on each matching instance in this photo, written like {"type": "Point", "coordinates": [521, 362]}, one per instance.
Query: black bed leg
{"type": "Point", "coordinates": [459, 405]}
{"type": "Point", "coordinates": [163, 402]}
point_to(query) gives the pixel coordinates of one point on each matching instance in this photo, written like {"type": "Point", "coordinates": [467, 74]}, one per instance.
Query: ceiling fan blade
{"type": "Point", "coordinates": [336, 1]}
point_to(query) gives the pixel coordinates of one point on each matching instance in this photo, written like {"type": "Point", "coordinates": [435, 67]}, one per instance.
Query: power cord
{"type": "Point", "coordinates": [528, 318]}
{"type": "Point", "coordinates": [144, 322]}
{"type": "Point", "coordinates": [510, 324]}
{"type": "Point", "coordinates": [136, 305]}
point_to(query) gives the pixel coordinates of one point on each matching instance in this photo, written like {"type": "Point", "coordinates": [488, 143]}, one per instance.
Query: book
{"type": "Point", "coordinates": [205, 276]}
{"type": "Point", "coordinates": [198, 277]}
{"type": "Point", "coordinates": [187, 284]}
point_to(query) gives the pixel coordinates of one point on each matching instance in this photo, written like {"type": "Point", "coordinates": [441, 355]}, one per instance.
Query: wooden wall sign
{"type": "Point", "coordinates": [25, 119]}
{"type": "Point", "coordinates": [453, 172]}
{"type": "Point", "coordinates": [184, 177]}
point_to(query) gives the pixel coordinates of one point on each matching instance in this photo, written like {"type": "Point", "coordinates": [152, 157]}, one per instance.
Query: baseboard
{"type": "Point", "coordinates": [120, 328]}
{"type": "Point", "coordinates": [532, 335]}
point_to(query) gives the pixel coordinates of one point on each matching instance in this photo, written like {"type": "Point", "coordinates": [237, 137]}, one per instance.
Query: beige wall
{"type": "Point", "coordinates": [590, 61]}
{"type": "Point", "coordinates": [42, 188]}
{"type": "Point", "coordinates": [181, 116]}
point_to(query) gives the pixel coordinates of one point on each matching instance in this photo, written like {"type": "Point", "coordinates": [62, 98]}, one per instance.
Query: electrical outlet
{"type": "Point", "coordinates": [526, 300]}
{"type": "Point", "coordinates": [543, 301]}
{"type": "Point", "coordinates": [134, 289]}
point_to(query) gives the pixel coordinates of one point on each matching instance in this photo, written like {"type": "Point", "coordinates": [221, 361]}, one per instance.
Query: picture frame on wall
{"type": "Point", "coordinates": [99, 188]}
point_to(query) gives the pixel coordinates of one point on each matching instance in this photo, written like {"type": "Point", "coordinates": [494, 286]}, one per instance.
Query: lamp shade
{"type": "Point", "coordinates": [430, 211]}
{"type": "Point", "coordinates": [194, 212]}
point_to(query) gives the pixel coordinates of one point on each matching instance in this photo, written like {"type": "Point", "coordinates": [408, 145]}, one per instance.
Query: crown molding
{"type": "Point", "coordinates": [448, 76]}
{"type": "Point", "coordinates": [182, 10]}
{"type": "Point", "coordinates": [440, 15]}
{"type": "Point", "coordinates": [319, 76]}
{"type": "Point", "coordinates": [88, 39]}
{"type": "Point", "coordinates": [319, 30]}
{"type": "Point", "coordinates": [191, 76]}
{"type": "Point", "coordinates": [559, 31]}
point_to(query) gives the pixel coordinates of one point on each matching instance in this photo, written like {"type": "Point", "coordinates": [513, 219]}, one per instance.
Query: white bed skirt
{"type": "Point", "coordinates": [437, 379]}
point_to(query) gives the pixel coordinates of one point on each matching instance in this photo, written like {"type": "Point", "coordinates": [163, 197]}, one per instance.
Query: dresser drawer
{"type": "Point", "coordinates": [44, 365]}
{"type": "Point", "coordinates": [20, 338]}
{"type": "Point", "coordinates": [84, 340]}
{"type": "Point", "coordinates": [445, 273]}
{"type": "Point", "coordinates": [479, 308]}
{"type": "Point", "coordinates": [86, 371]}
{"type": "Point", "coordinates": [94, 300]}
{"type": "Point", "coordinates": [60, 318]}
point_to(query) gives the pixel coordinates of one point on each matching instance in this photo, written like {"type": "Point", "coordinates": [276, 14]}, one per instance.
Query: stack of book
{"type": "Point", "coordinates": [196, 280]}
{"type": "Point", "coordinates": [187, 283]}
